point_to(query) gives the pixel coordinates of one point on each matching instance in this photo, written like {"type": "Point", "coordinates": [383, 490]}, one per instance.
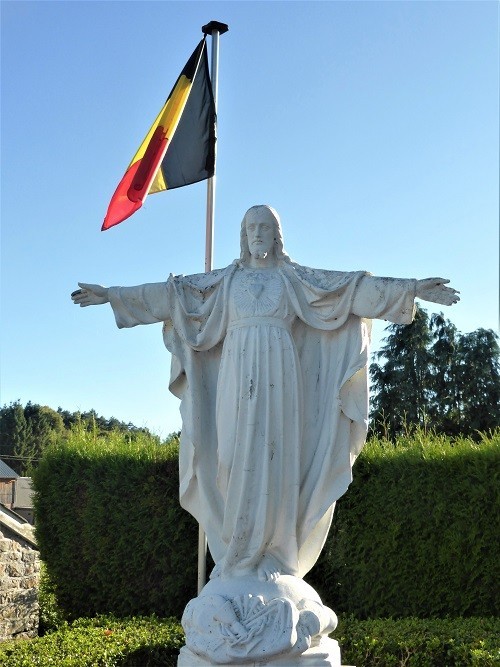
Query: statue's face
{"type": "Point", "coordinates": [260, 226]}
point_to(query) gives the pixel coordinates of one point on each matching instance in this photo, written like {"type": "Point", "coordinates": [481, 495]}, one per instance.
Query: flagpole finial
{"type": "Point", "coordinates": [214, 25]}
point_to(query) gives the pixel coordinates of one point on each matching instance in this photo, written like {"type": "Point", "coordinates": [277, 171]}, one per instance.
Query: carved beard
{"type": "Point", "coordinates": [259, 251]}
{"type": "Point", "coordinates": [260, 254]}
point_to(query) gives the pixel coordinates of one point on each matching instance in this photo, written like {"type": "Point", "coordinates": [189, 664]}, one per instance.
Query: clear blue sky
{"type": "Point", "coordinates": [371, 126]}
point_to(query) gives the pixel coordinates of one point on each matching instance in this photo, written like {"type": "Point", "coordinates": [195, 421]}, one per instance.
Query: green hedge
{"type": "Point", "coordinates": [153, 642]}
{"type": "Point", "coordinates": [413, 642]}
{"type": "Point", "coordinates": [110, 529]}
{"type": "Point", "coordinates": [417, 532]}
{"type": "Point", "coordinates": [100, 642]}
{"type": "Point", "coordinates": [415, 535]}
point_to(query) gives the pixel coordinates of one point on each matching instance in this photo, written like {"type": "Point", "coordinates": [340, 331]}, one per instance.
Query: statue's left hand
{"type": "Point", "coordinates": [435, 290]}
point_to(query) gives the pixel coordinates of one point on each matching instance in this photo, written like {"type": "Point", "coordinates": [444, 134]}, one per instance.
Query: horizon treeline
{"type": "Point", "coordinates": [26, 431]}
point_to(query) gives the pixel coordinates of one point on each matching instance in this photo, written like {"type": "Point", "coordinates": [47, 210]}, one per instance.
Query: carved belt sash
{"type": "Point", "coordinates": [258, 321]}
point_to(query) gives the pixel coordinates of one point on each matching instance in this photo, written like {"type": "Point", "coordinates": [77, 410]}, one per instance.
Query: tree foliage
{"type": "Point", "coordinates": [14, 436]}
{"type": "Point", "coordinates": [430, 375]}
{"type": "Point", "coordinates": [25, 432]}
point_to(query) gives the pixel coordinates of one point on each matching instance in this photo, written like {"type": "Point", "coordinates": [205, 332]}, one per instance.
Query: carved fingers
{"type": "Point", "coordinates": [436, 291]}
{"type": "Point", "coordinates": [90, 295]}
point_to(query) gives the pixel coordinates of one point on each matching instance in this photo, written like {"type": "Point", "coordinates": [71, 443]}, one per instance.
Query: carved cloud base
{"type": "Point", "coordinates": [246, 621]}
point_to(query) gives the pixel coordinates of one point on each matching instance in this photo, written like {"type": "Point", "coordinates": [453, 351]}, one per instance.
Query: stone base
{"type": "Point", "coordinates": [327, 654]}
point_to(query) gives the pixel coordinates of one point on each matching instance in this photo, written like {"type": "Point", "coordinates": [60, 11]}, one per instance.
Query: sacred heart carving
{"type": "Point", "coordinates": [255, 289]}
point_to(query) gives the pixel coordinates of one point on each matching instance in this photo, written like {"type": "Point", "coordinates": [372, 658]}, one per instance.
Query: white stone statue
{"type": "Point", "coordinates": [269, 360]}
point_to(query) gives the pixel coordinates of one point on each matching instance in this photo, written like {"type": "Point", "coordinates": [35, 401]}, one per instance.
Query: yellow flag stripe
{"type": "Point", "coordinates": [169, 116]}
{"type": "Point", "coordinates": [158, 184]}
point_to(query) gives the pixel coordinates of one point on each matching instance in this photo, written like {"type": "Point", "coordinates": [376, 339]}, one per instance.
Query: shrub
{"type": "Point", "coordinates": [413, 642]}
{"type": "Point", "coordinates": [110, 528]}
{"type": "Point", "coordinates": [100, 642]}
{"type": "Point", "coordinates": [152, 642]}
{"type": "Point", "coordinates": [415, 534]}
{"type": "Point", "coordinates": [51, 615]}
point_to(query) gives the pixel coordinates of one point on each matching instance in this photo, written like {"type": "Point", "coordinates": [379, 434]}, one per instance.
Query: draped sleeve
{"type": "Point", "coordinates": [390, 299]}
{"type": "Point", "coordinates": [143, 304]}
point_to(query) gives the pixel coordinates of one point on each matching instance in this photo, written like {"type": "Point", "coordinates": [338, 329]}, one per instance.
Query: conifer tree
{"type": "Point", "coordinates": [402, 383]}
{"type": "Point", "coordinates": [478, 379]}
{"type": "Point", "coordinates": [429, 374]}
{"type": "Point", "coordinates": [14, 436]}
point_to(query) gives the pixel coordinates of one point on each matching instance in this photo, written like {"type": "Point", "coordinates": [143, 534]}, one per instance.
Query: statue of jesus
{"type": "Point", "coordinates": [269, 360]}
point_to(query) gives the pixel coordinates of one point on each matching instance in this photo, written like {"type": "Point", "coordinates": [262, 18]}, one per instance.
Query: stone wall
{"type": "Point", "coordinates": [19, 579]}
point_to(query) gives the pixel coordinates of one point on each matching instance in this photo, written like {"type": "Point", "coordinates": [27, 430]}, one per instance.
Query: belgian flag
{"type": "Point", "coordinates": [179, 149]}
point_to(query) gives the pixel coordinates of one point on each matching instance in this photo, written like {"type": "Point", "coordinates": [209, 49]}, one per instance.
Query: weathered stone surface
{"type": "Point", "coordinates": [14, 569]}
{"type": "Point", "coordinates": [247, 620]}
{"type": "Point", "coordinates": [4, 544]}
{"type": "Point", "coordinates": [19, 580]}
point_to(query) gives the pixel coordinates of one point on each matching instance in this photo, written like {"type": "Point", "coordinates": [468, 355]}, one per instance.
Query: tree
{"type": "Point", "coordinates": [402, 384]}
{"type": "Point", "coordinates": [14, 438]}
{"type": "Point", "coordinates": [445, 407]}
{"type": "Point", "coordinates": [429, 374]}
{"type": "Point", "coordinates": [26, 432]}
{"type": "Point", "coordinates": [478, 378]}
{"type": "Point", "coordinates": [45, 426]}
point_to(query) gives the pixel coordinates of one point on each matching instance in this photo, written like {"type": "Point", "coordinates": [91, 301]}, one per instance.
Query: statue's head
{"type": "Point", "coordinates": [262, 213]}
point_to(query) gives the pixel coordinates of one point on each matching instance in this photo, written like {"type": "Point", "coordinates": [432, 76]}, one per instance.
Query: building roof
{"type": "Point", "coordinates": [17, 525]}
{"type": "Point", "coordinates": [6, 471]}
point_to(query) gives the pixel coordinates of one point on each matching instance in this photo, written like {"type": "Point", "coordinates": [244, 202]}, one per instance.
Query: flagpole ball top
{"type": "Point", "coordinates": [214, 25]}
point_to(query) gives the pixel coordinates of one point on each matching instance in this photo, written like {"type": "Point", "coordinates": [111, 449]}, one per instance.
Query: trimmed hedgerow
{"type": "Point", "coordinates": [100, 642]}
{"type": "Point", "coordinates": [414, 536]}
{"type": "Point", "coordinates": [110, 528]}
{"type": "Point", "coordinates": [413, 642]}
{"type": "Point", "coordinates": [153, 642]}
{"type": "Point", "coordinates": [417, 532]}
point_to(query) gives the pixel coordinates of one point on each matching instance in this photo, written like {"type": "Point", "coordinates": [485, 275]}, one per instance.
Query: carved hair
{"type": "Point", "coordinates": [279, 252]}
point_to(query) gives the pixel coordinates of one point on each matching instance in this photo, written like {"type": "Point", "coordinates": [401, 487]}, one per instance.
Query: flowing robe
{"type": "Point", "coordinates": [271, 369]}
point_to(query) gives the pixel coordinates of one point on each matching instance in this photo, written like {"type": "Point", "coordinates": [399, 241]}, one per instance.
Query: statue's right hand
{"type": "Point", "coordinates": [90, 295]}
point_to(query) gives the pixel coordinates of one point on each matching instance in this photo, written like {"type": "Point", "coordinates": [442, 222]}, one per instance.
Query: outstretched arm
{"type": "Point", "coordinates": [90, 295]}
{"type": "Point", "coordinates": [144, 304]}
{"type": "Point", "coordinates": [435, 290]}
{"type": "Point", "coordinates": [393, 298]}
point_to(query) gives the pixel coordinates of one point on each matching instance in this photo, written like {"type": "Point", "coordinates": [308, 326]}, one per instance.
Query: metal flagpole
{"type": "Point", "coordinates": [215, 29]}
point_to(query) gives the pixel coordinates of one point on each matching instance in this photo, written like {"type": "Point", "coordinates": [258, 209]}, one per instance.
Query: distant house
{"type": "Point", "coordinates": [23, 499]}
{"type": "Point", "coordinates": [16, 492]}
{"type": "Point", "coordinates": [7, 484]}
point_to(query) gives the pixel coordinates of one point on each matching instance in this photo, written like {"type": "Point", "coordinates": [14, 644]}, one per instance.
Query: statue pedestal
{"type": "Point", "coordinates": [247, 621]}
{"type": "Point", "coordinates": [327, 654]}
